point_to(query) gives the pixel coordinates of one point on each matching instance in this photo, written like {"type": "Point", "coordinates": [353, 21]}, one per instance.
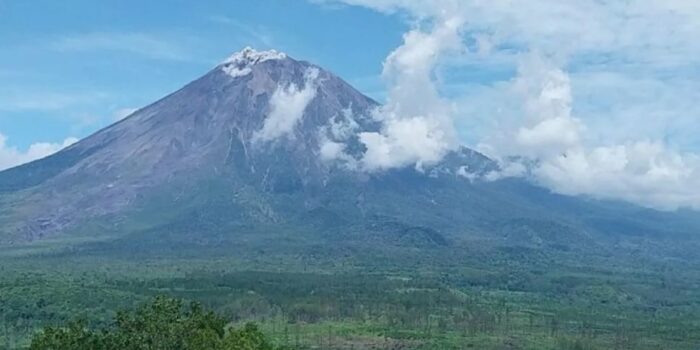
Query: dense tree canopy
{"type": "Point", "coordinates": [163, 324]}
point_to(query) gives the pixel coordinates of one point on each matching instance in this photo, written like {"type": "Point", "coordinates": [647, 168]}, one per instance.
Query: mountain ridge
{"type": "Point", "coordinates": [194, 162]}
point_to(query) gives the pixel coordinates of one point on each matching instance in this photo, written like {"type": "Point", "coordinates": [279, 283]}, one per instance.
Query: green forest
{"type": "Point", "coordinates": [350, 297]}
{"type": "Point", "coordinates": [163, 323]}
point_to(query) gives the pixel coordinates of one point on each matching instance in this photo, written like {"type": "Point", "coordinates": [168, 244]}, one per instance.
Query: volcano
{"type": "Point", "coordinates": [267, 143]}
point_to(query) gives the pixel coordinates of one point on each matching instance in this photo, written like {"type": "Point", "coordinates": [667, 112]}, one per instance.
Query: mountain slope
{"type": "Point", "coordinates": [244, 147]}
{"type": "Point", "coordinates": [204, 128]}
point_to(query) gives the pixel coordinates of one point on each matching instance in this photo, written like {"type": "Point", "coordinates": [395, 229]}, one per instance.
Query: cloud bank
{"type": "Point", "coordinates": [601, 102]}
{"type": "Point", "coordinates": [11, 156]}
{"type": "Point", "coordinates": [550, 139]}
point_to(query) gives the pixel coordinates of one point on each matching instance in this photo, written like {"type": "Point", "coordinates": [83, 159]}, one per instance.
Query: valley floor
{"type": "Point", "coordinates": [359, 298]}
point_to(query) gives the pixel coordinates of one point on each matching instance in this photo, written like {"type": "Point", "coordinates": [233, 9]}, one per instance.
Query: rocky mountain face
{"type": "Point", "coordinates": [212, 130]}
{"type": "Point", "coordinates": [253, 143]}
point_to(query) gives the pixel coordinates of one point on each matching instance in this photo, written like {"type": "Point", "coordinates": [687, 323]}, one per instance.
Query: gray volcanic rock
{"type": "Point", "coordinates": [243, 146]}
{"type": "Point", "coordinates": [206, 128]}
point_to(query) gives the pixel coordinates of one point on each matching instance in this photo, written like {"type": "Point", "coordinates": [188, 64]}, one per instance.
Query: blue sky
{"type": "Point", "coordinates": [599, 96]}
{"type": "Point", "coordinates": [69, 66]}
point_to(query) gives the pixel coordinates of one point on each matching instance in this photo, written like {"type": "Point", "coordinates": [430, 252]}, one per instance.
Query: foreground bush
{"type": "Point", "coordinates": [163, 324]}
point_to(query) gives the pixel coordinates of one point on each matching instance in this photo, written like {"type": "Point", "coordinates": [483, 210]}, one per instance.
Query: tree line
{"type": "Point", "coordinates": [161, 324]}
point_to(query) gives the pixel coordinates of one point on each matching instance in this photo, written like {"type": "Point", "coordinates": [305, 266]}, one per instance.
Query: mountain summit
{"type": "Point", "coordinates": [257, 117]}
{"type": "Point", "coordinates": [241, 63]}
{"type": "Point", "coordinates": [266, 143]}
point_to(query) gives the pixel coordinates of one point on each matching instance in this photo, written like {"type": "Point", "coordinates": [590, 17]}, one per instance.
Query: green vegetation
{"type": "Point", "coordinates": [162, 324]}
{"type": "Point", "coordinates": [354, 295]}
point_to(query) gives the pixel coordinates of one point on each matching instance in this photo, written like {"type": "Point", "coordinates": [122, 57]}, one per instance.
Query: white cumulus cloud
{"type": "Point", "coordinates": [11, 156]}
{"type": "Point", "coordinates": [417, 125]}
{"type": "Point", "coordinates": [643, 172]}
{"type": "Point", "coordinates": [602, 103]}
{"type": "Point", "coordinates": [551, 142]}
{"type": "Point", "coordinates": [404, 141]}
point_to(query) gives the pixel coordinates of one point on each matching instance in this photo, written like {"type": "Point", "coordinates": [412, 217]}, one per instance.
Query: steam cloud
{"type": "Point", "coordinates": [287, 106]}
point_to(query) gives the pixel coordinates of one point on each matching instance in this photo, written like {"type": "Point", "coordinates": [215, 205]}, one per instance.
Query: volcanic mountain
{"type": "Point", "coordinates": [255, 145]}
